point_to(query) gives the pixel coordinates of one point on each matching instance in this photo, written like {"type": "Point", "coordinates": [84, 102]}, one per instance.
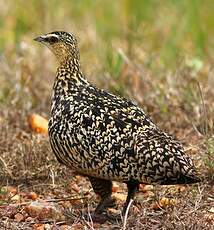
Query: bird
{"type": "Point", "coordinates": [106, 137]}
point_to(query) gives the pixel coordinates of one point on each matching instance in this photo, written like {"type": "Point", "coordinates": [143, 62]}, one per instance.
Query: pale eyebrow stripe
{"type": "Point", "coordinates": [50, 35]}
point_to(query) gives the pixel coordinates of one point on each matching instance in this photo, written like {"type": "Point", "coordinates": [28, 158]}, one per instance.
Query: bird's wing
{"type": "Point", "coordinates": [118, 118]}
{"type": "Point", "coordinates": [122, 109]}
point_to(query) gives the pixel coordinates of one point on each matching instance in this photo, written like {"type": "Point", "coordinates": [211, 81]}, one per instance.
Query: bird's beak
{"type": "Point", "coordinates": [39, 39]}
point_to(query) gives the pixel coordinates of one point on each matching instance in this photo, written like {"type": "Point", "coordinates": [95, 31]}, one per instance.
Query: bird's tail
{"type": "Point", "coordinates": [192, 178]}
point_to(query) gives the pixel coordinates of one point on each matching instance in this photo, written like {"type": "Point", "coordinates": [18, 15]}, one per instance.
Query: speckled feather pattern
{"type": "Point", "coordinates": [105, 136]}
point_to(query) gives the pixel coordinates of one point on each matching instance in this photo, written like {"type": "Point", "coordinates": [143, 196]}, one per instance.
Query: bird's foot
{"type": "Point", "coordinates": [107, 202]}
{"type": "Point", "coordinates": [101, 214]}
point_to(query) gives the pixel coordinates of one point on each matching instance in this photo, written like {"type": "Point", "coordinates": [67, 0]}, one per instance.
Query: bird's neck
{"type": "Point", "coordinates": [69, 75]}
{"type": "Point", "coordinates": [69, 70]}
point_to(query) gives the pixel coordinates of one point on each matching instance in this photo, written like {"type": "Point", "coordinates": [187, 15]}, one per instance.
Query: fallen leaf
{"type": "Point", "coordinates": [163, 202]}
{"type": "Point", "coordinates": [38, 124]}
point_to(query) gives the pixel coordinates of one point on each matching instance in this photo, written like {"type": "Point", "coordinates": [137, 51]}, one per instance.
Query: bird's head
{"type": "Point", "coordinates": [62, 44]}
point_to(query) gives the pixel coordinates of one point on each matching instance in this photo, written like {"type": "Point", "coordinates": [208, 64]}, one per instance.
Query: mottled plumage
{"type": "Point", "coordinates": [106, 137]}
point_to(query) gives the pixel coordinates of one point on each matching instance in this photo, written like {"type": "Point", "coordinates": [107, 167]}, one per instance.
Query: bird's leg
{"type": "Point", "coordinates": [104, 189]}
{"type": "Point", "coordinates": [133, 187]}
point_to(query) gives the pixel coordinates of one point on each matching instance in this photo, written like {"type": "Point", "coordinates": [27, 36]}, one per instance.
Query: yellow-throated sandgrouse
{"type": "Point", "coordinates": [105, 137]}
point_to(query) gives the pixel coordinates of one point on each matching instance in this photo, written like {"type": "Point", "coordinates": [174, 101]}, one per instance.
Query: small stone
{"type": "Point", "coordinates": [19, 217]}
{"type": "Point", "coordinates": [32, 196]}
{"type": "Point", "coordinates": [45, 211]}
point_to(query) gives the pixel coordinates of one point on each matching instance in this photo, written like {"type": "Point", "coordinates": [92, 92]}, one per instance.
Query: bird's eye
{"type": "Point", "coordinates": [53, 39]}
